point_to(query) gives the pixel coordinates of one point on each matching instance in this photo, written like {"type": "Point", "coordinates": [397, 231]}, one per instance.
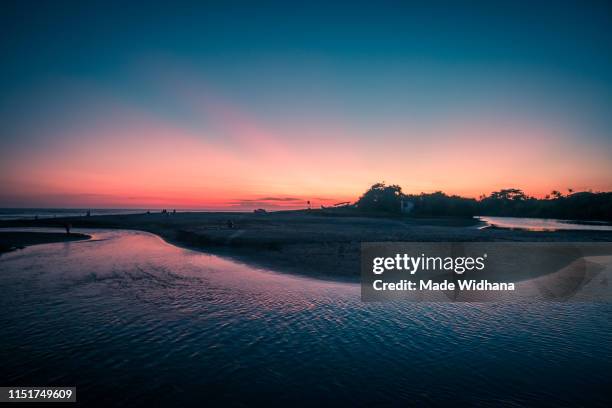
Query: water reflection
{"type": "Point", "coordinates": [543, 224]}
{"type": "Point", "coordinates": [133, 320]}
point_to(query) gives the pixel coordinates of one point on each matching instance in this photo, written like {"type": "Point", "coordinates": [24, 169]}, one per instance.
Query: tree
{"type": "Point", "coordinates": [439, 204]}
{"type": "Point", "coordinates": [513, 194]}
{"type": "Point", "coordinates": [381, 197]}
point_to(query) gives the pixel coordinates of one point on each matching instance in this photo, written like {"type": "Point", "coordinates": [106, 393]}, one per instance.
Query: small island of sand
{"type": "Point", "coordinates": [12, 240]}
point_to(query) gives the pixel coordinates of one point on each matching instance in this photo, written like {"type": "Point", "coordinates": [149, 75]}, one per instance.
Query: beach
{"type": "Point", "coordinates": [310, 243]}
{"type": "Point", "coordinates": [12, 240]}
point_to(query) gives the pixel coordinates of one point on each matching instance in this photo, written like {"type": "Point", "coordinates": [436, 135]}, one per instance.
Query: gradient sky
{"type": "Point", "coordinates": [267, 104]}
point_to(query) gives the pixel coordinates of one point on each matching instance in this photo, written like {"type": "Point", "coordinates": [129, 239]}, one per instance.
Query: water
{"type": "Point", "coordinates": [132, 320]}
{"type": "Point", "coordinates": [544, 224]}
{"type": "Point", "coordinates": [31, 213]}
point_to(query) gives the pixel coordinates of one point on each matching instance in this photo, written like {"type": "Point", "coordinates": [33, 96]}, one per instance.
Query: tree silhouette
{"type": "Point", "coordinates": [513, 194]}
{"type": "Point", "coordinates": [381, 197]}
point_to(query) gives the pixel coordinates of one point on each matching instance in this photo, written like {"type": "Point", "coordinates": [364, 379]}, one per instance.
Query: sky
{"type": "Point", "coordinates": [241, 105]}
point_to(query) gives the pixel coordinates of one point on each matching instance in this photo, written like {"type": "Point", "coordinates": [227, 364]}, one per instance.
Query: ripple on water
{"type": "Point", "coordinates": [131, 309]}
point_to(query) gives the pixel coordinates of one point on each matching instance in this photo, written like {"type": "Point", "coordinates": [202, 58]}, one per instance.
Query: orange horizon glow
{"type": "Point", "coordinates": [217, 107]}
{"type": "Point", "coordinates": [125, 158]}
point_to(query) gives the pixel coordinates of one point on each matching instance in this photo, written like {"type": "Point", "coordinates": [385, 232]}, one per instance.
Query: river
{"type": "Point", "coordinates": [544, 224]}
{"type": "Point", "coordinates": [132, 320]}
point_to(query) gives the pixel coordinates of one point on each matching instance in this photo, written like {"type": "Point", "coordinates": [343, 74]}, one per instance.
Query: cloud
{"type": "Point", "coordinates": [271, 202]}
{"type": "Point", "coordinates": [266, 199]}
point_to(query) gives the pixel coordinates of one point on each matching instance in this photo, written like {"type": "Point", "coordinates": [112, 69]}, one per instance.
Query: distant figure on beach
{"type": "Point", "coordinates": [173, 211]}
{"type": "Point", "coordinates": [148, 212]}
{"type": "Point", "coordinates": [67, 226]}
{"type": "Point", "coordinates": [230, 224]}
{"type": "Point", "coordinates": [88, 213]}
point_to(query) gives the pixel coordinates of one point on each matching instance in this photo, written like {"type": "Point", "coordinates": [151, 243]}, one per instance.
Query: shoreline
{"type": "Point", "coordinates": [14, 240]}
{"type": "Point", "coordinates": [313, 245]}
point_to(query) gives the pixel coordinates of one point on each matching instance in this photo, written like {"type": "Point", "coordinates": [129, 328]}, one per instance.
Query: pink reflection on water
{"type": "Point", "coordinates": [128, 260]}
{"type": "Point", "coordinates": [543, 224]}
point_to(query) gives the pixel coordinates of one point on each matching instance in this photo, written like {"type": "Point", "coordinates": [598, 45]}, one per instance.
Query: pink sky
{"type": "Point", "coordinates": [114, 155]}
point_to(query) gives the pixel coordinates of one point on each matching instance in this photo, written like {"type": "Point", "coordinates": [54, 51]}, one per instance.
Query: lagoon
{"type": "Point", "coordinates": [130, 319]}
{"type": "Point", "coordinates": [543, 224]}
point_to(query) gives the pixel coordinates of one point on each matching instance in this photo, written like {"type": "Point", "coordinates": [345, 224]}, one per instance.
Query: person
{"type": "Point", "coordinates": [67, 226]}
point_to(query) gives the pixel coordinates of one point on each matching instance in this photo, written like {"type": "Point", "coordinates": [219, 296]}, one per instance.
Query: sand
{"type": "Point", "coordinates": [309, 243]}
{"type": "Point", "coordinates": [12, 240]}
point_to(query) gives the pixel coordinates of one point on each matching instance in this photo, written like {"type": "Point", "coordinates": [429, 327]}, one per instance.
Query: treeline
{"type": "Point", "coordinates": [507, 202]}
{"type": "Point", "coordinates": [439, 204]}
{"type": "Point", "coordinates": [576, 206]}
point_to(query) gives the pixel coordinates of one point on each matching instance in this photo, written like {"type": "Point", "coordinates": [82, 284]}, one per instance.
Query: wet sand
{"type": "Point", "coordinates": [12, 240]}
{"type": "Point", "coordinates": [310, 243]}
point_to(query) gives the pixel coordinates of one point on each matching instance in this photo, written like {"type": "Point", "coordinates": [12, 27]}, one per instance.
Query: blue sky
{"type": "Point", "coordinates": [377, 71]}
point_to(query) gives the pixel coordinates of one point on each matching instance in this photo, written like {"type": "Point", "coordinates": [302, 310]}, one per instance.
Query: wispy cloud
{"type": "Point", "coordinates": [266, 199]}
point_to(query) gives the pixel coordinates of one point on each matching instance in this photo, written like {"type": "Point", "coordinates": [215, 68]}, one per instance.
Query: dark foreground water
{"type": "Point", "coordinates": [131, 320]}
